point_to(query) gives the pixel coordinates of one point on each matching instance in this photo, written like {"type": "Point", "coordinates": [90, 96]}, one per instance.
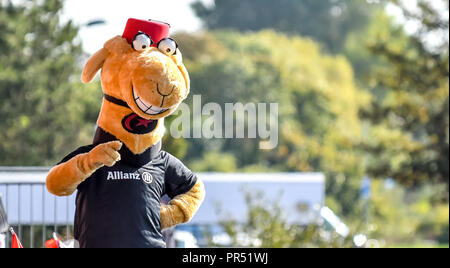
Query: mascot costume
{"type": "Point", "coordinates": [122, 176]}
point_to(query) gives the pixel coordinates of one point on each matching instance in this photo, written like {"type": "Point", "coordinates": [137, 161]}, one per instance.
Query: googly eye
{"type": "Point", "coordinates": [178, 56]}
{"type": "Point", "coordinates": [142, 41]}
{"type": "Point", "coordinates": [168, 46]}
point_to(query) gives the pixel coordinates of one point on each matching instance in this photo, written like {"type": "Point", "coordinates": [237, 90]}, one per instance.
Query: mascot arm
{"type": "Point", "coordinates": [64, 178]}
{"type": "Point", "coordinates": [182, 207]}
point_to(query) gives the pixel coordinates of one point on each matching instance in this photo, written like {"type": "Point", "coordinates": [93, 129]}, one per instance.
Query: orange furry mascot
{"type": "Point", "coordinates": [122, 176]}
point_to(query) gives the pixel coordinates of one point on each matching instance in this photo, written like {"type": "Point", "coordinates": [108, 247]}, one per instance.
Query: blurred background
{"type": "Point", "coordinates": [363, 94]}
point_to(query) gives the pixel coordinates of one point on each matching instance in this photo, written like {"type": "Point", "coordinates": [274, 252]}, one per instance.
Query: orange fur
{"type": "Point", "coordinates": [110, 120]}
{"type": "Point", "coordinates": [125, 68]}
{"type": "Point", "coordinates": [182, 208]}
{"type": "Point", "coordinates": [159, 80]}
{"type": "Point", "coordinates": [94, 64]}
{"type": "Point", "coordinates": [64, 178]}
{"type": "Point", "coordinates": [150, 73]}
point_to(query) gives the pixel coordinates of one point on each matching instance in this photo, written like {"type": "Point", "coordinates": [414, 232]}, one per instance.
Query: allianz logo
{"type": "Point", "coordinates": [120, 175]}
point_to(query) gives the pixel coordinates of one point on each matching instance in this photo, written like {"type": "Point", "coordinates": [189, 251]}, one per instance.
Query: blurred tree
{"type": "Point", "coordinates": [45, 112]}
{"type": "Point", "coordinates": [404, 217]}
{"type": "Point", "coordinates": [215, 162]}
{"type": "Point", "coordinates": [318, 106]}
{"type": "Point", "coordinates": [409, 112]}
{"type": "Point", "coordinates": [357, 47]}
{"type": "Point", "coordinates": [326, 21]}
{"type": "Point", "coordinates": [266, 225]}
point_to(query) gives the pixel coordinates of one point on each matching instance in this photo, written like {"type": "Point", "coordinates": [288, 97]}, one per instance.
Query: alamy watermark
{"type": "Point", "coordinates": [233, 121]}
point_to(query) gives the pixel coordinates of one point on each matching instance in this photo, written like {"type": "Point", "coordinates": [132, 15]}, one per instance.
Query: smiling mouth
{"type": "Point", "coordinates": [145, 107]}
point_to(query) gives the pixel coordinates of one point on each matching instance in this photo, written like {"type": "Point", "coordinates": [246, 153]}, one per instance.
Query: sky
{"type": "Point", "coordinates": [176, 12]}
{"type": "Point", "coordinates": [432, 40]}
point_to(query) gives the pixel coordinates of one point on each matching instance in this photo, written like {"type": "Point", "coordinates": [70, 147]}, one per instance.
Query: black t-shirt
{"type": "Point", "coordinates": [119, 206]}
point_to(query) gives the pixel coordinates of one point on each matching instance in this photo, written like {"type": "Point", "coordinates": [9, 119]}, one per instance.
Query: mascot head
{"type": "Point", "coordinates": [143, 80]}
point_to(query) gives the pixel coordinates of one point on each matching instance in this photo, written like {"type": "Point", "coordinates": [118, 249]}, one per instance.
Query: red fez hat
{"type": "Point", "coordinates": [155, 29]}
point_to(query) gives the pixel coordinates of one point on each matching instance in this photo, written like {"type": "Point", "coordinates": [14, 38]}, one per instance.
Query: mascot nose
{"type": "Point", "coordinates": [165, 91]}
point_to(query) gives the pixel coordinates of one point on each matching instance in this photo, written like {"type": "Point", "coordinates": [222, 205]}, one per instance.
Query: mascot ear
{"type": "Point", "coordinates": [94, 64]}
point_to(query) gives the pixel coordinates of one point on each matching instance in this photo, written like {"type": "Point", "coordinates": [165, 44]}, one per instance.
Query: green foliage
{"type": "Point", "coordinates": [317, 97]}
{"type": "Point", "coordinates": [215, 162]}
{"type": "Point", "coordinates": [267, 226]}
{"type": "Point", "coordinates": [397, 217]}
{"type": "Point", "coordinates": [381, 107]}
{"type": "Point", "coordinates": [357, 51]}
{"type": "Point", "coordinates": [405, 217]}
{"type": "Point", "coordinates": [327, 21]}
{"type": "Point", "coordinates": [45, 112]}
{"type": "Point", "coordinates": [409, 112]}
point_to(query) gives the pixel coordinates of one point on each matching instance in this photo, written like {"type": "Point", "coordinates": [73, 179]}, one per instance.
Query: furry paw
{"type": "Point", "coordinates": [105, 154]}
{"type": "Point", "coordinates": [170, 216]}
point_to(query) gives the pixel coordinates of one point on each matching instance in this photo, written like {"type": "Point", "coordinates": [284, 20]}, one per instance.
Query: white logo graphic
{"type": "Point", "coordinates": [120, 175]}
{"type": "Point", "coordinates": [147, 177]}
